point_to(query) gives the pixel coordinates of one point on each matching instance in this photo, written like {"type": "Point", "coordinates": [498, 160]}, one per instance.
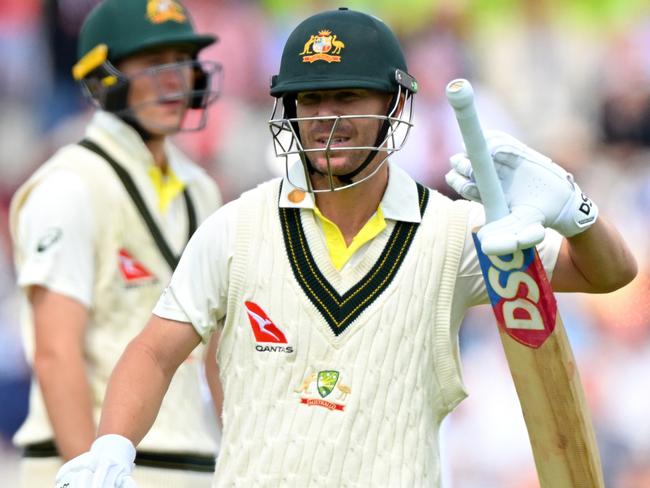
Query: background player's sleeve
{"type": "Point", "coordinates": [198, 290]}
{"type": "Point", "coordinates": [55, 237]}
{"type": "Point", "coordinates": [470, 286]}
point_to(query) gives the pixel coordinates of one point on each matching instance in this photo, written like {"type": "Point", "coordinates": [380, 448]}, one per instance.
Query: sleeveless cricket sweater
{"type": "Point", "coordinates": [338, 378]}
{"type": "Point", "coordinates": [121, 305]}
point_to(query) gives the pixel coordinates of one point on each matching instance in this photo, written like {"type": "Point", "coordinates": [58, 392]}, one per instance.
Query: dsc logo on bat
{"type": "Point", "coordinates": [520, 294]}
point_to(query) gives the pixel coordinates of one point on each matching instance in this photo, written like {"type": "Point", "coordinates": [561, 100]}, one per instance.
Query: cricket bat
{"type": "Point", "coordinates": [534, 339]}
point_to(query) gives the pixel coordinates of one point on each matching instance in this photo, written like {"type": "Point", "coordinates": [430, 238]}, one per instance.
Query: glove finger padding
{"type": "Point", "coordinates": [462, 185]}
{"type": "Point", "coordinates": [519, 230]}
{"type": "Point", "coordinates": [461, 163]}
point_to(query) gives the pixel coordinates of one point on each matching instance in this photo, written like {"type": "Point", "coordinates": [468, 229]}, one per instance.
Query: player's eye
{"type": "Point", "coordinates": [348, 96]}
{"type": "Point", "coordinates": [307, 99]}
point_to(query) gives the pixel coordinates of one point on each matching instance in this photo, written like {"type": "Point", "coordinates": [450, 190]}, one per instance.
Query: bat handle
{"type": "Point", "coordinates": [461, 97]}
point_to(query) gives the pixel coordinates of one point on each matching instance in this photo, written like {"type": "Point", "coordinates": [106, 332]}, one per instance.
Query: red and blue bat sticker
{"type": "Point", "coordinates": [521, 296]}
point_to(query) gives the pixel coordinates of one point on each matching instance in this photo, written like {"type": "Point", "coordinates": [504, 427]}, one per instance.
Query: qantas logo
{"type": "Point", "coordinates": [265, 331]}
{"type": "Point", "coordinates": [133, 271]}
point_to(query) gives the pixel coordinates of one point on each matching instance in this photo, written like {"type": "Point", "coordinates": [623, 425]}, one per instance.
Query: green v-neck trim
{"type": "Point", "coordinates": [339, 311]}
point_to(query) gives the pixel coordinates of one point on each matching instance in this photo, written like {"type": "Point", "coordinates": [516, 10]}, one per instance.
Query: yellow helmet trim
{"type": "Point", "coordinates": [109, 80]}
{"type": "Point", "coordinates": [91, 61]}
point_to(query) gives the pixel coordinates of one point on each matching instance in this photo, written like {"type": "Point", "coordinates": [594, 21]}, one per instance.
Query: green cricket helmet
{"type": "Point", "coordinates": [117, 29]}
{"type": "Point", "coordinates": [342, 49]}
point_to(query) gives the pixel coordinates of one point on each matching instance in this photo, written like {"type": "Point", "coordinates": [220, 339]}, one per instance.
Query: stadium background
{"type": "Point", "coordinates": [571, 79]}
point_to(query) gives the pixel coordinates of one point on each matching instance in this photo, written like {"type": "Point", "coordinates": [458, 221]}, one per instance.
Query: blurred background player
{"type": "Point", "coordinates": [97, 232]}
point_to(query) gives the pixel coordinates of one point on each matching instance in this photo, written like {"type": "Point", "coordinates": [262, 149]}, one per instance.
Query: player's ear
{"type": "Point", "coordinates": [395, 108]}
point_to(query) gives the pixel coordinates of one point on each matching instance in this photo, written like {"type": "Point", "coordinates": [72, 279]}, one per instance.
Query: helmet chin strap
{"type": "Point", "coordinates": [381, 135]}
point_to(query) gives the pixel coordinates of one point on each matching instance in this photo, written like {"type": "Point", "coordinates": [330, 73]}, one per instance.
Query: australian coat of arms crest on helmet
{"type": "Point", "coordinates": [159, 11]}
{"type": "Point", "coordinates": [324, 46]}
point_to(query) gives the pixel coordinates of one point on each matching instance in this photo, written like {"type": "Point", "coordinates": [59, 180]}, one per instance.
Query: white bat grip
{"type": "Point", "coordinates": [461, 97]}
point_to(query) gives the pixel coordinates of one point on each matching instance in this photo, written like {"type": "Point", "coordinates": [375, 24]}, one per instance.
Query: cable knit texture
{"type": "Point", "coordinates": [362, 408]}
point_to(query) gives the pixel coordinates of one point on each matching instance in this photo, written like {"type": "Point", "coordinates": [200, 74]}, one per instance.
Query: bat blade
{"type": "Point", "coordinates": [534, 340]}
{"type": "Point", "coordinates": [543, 370]}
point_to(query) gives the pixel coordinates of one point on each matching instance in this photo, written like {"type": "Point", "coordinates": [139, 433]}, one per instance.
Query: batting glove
{"type": "Point", "coordinates": [539, 194]}
{"type": "Point", "coordinates": [108, 464]}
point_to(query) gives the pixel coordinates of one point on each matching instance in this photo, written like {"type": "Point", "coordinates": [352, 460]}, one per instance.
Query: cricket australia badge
{"type": "Point", "coordinates": [160, 11]}
{"type": "Point", "coordinates": [324, 388]}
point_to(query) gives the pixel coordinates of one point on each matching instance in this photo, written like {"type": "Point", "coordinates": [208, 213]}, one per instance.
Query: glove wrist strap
{"type": "Point", "coordinates": [578, 214]}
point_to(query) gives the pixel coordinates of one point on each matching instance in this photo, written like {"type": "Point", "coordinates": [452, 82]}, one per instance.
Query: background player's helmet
{"type": "Point", "coordinates": [342, 49]}
{"type": "Point", "coordinates": [117, 29]}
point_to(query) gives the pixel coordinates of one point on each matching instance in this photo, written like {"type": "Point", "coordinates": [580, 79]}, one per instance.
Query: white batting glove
{"type": "Point", "coordinates": [108, 464]}
{"type": "Point", "coordinates": [539, 194]}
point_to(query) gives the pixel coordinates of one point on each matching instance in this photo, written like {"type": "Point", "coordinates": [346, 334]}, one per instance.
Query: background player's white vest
{"type": "Point", "coordinates": [122, 307]}
{"type": "Point", "coordinates": [361, 408]}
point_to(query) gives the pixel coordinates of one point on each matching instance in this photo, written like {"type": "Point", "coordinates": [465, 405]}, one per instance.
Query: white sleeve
{"type": "Point", "coordinates": [470, 287]}
{"type": "Point", "coordinates": [198, 290]}
{"type": "Point", "coordinates": [55, 237]}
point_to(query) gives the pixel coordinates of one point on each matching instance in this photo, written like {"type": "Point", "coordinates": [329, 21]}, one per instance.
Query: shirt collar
{"type": "Point", "coordinates": [291, 196]}
{"type": "Point", "coordinates": [125, 144]}
{"type": "Point", "coordinates": [107, 128]}
{"type": "Point", "coordinates": [400, 201]}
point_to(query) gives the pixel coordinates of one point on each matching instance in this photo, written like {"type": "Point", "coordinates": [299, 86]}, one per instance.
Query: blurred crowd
{"type": "Point", "coordinates": [570, 81]}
